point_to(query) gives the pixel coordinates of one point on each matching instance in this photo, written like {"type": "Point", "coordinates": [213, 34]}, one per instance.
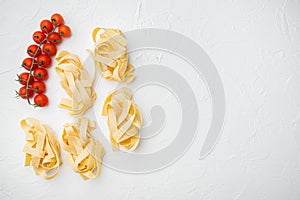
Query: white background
{"type": "Point", "coordinates": [255, 45]}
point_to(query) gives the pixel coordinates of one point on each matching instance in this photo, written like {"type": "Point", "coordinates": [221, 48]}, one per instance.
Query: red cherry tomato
{"type": "Point", "coordinates": [55, 38]}
{"type": "Point", "coordinates": [64, 31]}
{"type": "Point", "coordinates": [28, 63]}
{"type": "Point", "coordinates": [22, 92]}
{"type": "Point", "coordinates": [57, 19]}
{"type": "Point", "coordinates": [34, 50]}
{"type": "Point", "coordinates": [44, 61]}
{"type": "Point", "coordinates": [41, 100]}
{"type": "Point", "coordinates": [39, 87]}
{"type": "Point", "coordinates": [49, 49]}
{"type": "Point", "coordinates": [40, 74]}
{"type": "Point", "coordinates": [46, 26]}
{"type": "Point", "coordinates": [22, 78]}
{"type": "Point", "coordinates": [38, 37]}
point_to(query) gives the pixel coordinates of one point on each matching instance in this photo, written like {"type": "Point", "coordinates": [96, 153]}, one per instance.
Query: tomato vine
{"type": "Point", "coordinates": [46, 40]}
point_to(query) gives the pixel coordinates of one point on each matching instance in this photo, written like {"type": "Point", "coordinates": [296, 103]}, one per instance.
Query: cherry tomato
{"type": "Point", "coordinates": [34, 50]}
{"type": "Point", "coordinates": [46, 26]}
{"type": "Point", "coordinates": [38, 37]}
{"type": "Point", "coordinates": [54, 38]}
{"type": "Point", "coordinates": [39, 87]}
{"type": "Point", "coordinates": [22, 92]}
{"type": "Point", "coordinates": [27, 63]}
{"type": "Point", "coordinates": [22, 78]}
{"type": "Point", "coordinates": [57, 19]}
{"type": "Point", "coordinates": [41, 100]}
{"type": "Point", "coordinates": [40, 74]}
{"type": "Point", "coordinates": [64, 31]}
{"type": "Point", "coordinates": [44, 61]}
{"type": "Point", "coordinates": [49, 49]}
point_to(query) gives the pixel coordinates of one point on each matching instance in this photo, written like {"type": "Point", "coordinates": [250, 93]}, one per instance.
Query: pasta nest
{"type": "Point", "coordinates": [124, 119]}
{"type": "Point", "coordinates": [111, 56]}
{"type": "Point", "coordinates": [85, 152]}
{"type": "Point", "coordinates": [42, 148]}
{"type": "Point", "coordinates": [76, 82]}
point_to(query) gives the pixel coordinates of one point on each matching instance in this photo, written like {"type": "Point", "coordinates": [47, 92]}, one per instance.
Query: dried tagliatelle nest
{"type": "Point", "coordinates": [76, 82]}
{"type": "Point", "coordinates": [42, 148]}
{"type": "Point", "coordinates": [85, 153]}
{"type": "Point", "coordinates": [110, 55]}
{"type": "Point", "coordinates": [124, 119]}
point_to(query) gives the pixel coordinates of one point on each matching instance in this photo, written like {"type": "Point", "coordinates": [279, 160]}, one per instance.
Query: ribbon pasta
{"type": "Point", "coordinates": [110, 55]}
{"type": "Point", "coordinates": [124, 119]}
{"type": "Point", "coordinates": [85, 153]}
{"type": "Point", "coordinates": [42, 148]}
{"type": "Point", "coordinates": [76, 82]}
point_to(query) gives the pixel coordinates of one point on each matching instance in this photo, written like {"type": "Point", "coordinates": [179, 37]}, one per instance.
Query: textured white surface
{"type": "Point", "coordinates": [254, 44]}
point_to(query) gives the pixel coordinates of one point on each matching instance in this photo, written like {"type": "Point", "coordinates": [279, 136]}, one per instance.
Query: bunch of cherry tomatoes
{"type": "Point", "coordinates": [40, 59]}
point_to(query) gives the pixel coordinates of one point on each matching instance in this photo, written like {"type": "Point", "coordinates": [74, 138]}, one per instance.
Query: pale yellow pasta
{"type": "Point", "coordinates": [111, 56]}
{"type": "Point", "coordinates": [85, 153]}
{"type": "Point", "coordinates": [42, 148]}
{"type": "Point", "coordinates": [76, 82]}
{"type": "Point", "coordinates": [124, 119]}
